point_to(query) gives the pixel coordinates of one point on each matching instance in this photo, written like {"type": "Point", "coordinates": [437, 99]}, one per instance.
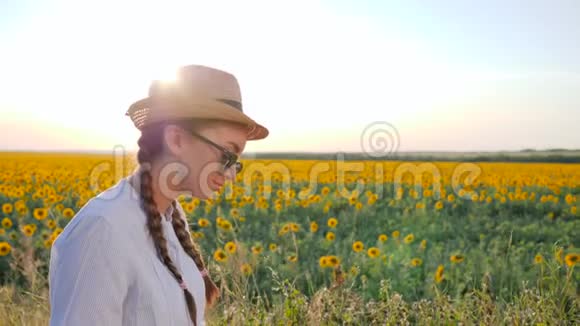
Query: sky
{"type": "Point", "coordinates": [321, 75]}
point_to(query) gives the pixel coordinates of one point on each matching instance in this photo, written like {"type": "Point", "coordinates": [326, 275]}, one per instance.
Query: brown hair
{"type": "Point", "coordinates": [151, 145]}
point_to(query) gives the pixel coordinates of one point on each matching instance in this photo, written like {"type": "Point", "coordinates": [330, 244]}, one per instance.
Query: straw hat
{"type": "Point", "coordinates": [199, 92]}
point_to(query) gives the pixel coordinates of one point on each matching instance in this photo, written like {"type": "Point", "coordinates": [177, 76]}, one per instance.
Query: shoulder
{"type": "Point", "coordinates": [91, 241]}
{"type": "Point", "coordinates": [86, 233]}
{"type": "Point", "coordinates": [102, 218]}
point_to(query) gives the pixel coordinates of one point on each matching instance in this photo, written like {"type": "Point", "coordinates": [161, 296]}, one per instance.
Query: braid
{"type": "Point", "coordinates": [181, 231]}
{"type": "Point", "coordinates": [156, 229]}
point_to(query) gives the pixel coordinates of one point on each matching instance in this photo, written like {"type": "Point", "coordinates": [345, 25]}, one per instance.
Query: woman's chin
{"type": "Point", "coordinates": [206, 193]}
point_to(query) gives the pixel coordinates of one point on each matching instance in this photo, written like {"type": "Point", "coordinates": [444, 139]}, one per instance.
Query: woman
{"type": "Point", "coordinates": [127, 257]}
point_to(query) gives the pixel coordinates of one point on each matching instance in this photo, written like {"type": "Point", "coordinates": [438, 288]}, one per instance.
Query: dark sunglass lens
{"type": "Point", "coordinates": [227, 161]}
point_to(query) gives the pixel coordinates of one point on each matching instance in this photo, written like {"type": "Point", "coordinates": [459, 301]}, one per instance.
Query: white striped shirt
{"type": "Point", "coordinates": [104, 269]}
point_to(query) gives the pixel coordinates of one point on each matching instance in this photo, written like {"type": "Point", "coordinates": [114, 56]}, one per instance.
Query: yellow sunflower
{"type": "Point", "coordinates": [293, 258]}
{"type": "Point", "coordinates": [280, 193]}
{"type": "Point", "coordinates": [225, 225]}
{"type": "Point", "coordinates": [68, 213]}
{"type": "Point", "coordinates": [5, 248]}
{"type": "Point", "coordinates": [333, 261]}
{"type": "Point", "coordinates": [538, 259]}
{"type": "Point", "coordinates": [415, 262]}
{"type": "Point", "coordinates": [409, 238]}
{"type": "Point", "coordinates": [457, 258]}
{"type": "Point", "coordinates": [572, 259]}
{"type": "Point", "coordinates": [352, 200]}
{"type": "Point", "coordinates": [29, 229]}
{"type": "Point", "coordinates": [220, 255]}
{"type": "Point", "coordinates": [373, 252]}
{"type": "Point", "coordinates": [272, 246]}
{"type": "Point", "coordinates": [330, 236]}
{"type": "Point", "coordinates": [48, 242]}
{"type": "Point", "coordinates": [7, 208]}
{"type": "Point", "coordinates": [188, 208]}
{"type": "Point", "coordinates": [323, 261]}
{"type": "Point", "coordinates": [358, 246]}
{"type": "Point", "coordinates": [203, 222]}
{"type": "Point", "coordinates": [6, 223]}
{"type": "Point", "coordinates": [285, 229]}
{"type": "Point", "coordinates": [246, 269]}
{"type": "Point", "coordinates": [332, 222]}
{"type": "Point", "coordinates": [294, 227]}
{"type": "Point", "coordinates": [396, 234]}
{"type": "Point", "coordinates": [40, 213]}
{"type": "Point", "coordinates": [57, 231]}
{"type": "Point", "coordinates": [22, 210]}
{"type": "Point", "coordinates": [230, 247]}
{"type": "Point", "coordinates": [313, 227]}
{"type": "Point", "coordinates": [51, 224]}
{"type": "Point", "coordinates": [257, 249]}
{"type": "Point", "coordinates": [383, 237]}
{"type": "Point", "coordinates": [45, 234]}
{"type": "Point", "coordinates": [439, 274]}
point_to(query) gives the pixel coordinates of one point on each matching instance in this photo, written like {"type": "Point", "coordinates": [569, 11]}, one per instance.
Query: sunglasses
{"type": "Point", "coordinates": [229, 159]}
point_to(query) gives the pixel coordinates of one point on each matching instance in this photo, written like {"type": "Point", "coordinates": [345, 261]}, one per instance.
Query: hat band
{"type": "Point", "coordinates": [235, 104]}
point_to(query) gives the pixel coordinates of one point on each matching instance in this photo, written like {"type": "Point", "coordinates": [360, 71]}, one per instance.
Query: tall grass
{"type": "Point", "coordinates": [549, 303]}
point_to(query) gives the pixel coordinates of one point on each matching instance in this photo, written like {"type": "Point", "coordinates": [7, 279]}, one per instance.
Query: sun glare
{"type": "Point", "coordinates": [166, 75]}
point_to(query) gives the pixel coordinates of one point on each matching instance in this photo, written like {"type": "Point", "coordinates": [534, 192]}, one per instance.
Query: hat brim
{"type": "Point", "coordinates": [142, 114]}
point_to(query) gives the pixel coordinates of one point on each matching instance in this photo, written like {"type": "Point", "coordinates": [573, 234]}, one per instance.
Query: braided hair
{"type": "Point", "coordinates": [150, 146]}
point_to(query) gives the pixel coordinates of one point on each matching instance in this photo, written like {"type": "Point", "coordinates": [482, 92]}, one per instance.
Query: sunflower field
{"type": "Point", "coordinates": [347, 242]}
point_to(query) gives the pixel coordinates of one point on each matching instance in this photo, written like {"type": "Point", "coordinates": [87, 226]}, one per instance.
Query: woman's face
{"type": "Point", "coordinates": [203, 161]}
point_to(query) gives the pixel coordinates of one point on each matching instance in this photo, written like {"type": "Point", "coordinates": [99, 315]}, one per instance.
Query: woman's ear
{"type": "Point", "coordinates": [175, 140]}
